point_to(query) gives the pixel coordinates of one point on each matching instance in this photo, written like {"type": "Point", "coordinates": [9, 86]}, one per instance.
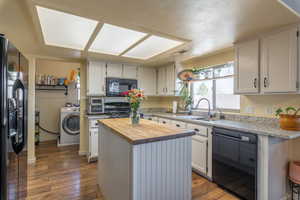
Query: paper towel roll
{"type": "Point", "coordinates": [175, 107]}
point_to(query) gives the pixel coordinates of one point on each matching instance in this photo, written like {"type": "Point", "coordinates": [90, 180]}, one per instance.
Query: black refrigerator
{"type": "Point", "coordinates": [13, 131]}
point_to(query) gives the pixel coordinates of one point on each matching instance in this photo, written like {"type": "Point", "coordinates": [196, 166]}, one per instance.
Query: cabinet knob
{"type": "Point", "coordinates": [255, 83]}
{"type": "Point", "coordinates": [196, 129]}
{"type": "Point", "coordinates": [177, 125]}
{"type": "Point", "coordinates": [265, 82]}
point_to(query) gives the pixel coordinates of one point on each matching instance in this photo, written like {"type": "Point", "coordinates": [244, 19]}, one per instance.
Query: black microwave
{"type": "Point", "coordinates": [116, 86]}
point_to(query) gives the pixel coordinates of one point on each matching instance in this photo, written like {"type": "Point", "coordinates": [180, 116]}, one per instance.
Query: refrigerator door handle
{"type": "Point", "coordinates": [18, 141]}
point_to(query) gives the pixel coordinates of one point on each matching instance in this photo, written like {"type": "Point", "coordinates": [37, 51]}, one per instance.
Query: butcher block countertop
{"type": "Point", "coordinates": [145, 132]}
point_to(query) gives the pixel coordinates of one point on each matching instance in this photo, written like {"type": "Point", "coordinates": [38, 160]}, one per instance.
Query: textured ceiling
{"type": "Point", "coordinates": [210, 25]}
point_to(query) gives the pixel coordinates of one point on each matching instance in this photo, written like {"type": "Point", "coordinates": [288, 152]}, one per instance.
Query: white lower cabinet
{"type": "Point", "coordinates": [201, 144]}
{"type": "Point", "coordinates": [201, 149]}
{"type": "Point", "coordinates": [93, 140]}
{"type": "Point", "coordinates": [199, 153]}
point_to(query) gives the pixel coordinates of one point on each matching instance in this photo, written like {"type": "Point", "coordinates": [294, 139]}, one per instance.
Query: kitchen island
{"type": "Point", "coordinates": [145, 161]}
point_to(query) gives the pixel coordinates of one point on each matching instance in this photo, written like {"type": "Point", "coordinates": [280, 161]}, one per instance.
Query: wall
{"type": "Point", "coordinates": [159, 102]}
{"type": "Point", "coordinates": [217, 58]}
{"type": "Point", "coordinates": [31, 110]}
{"type": "Point", "coordinates": [266, 105]}
{"type": "Point", "coordinates": [50, 102]}
{"type": "Point", "coordinates": [83, 148]}
{"type": "Point", "coordinates": [258, 105]}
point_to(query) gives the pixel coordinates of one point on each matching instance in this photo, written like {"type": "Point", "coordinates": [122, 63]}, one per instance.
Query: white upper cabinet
{"type": "Point", "coordinates": [166, 81]}
{"type": "Point", "coordinates": [170, 80]}
{"type": "Point", "coordinates": [114, 70]}
{"type": "Point", "coordinates": [279, 62]}
{"type": "Point", "coordinates": [129, 71]}
{"type": "Point", "coordinates": [96, 78]}
{"type": "Point", "coordinates": [119, 70]}
{"type": "Point", "coordinates": [161, 81]}
{"type": "Point", "coordinates": [247, 67]}
{"type": "Point", "coordinates": [147, 80]}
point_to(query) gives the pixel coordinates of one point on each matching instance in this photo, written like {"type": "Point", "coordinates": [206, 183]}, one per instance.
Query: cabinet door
{"type": "Point", "coordinates": [170, 80]}
{"type": "Point", "coordinates": [93, 141]}
{"type": "Point", "coordinates": [96, 78]}
{"type": "Point", "coordinates": [114, 70]}
{"type": "Point", "coordinates": [200, 130]}
{"type": "Point", "coordinates": [199, 153]}
{"type": "Point", "coordinates": [161, 81]}
{"type": "Point", "coordinates": [279, 62]}
{"type": "Point", "coordinates": [247, 67]}
{"type": "Point", "coordinates": [130, 71]}
{"type": "Point", "coordinates": [147, 80]}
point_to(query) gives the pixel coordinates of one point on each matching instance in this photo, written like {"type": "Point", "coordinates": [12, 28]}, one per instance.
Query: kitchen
{"type": "Point", "coordinates": [212, 76]}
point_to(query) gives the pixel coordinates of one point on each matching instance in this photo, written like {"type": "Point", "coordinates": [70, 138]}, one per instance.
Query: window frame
{"type": "Point", "coordinates": [214, 94]}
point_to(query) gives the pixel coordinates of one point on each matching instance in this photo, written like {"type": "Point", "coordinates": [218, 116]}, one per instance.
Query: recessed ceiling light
{"type": "Point", "coordinates": [152, 46]}
{"type": "Point", "coordinates": [65, 30]}
{"type": "Point", "coordinates": [115, 40]}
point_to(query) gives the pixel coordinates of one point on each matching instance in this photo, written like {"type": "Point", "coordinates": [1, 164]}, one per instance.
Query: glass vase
{"type": "Point", "coordinates": [135, 117]}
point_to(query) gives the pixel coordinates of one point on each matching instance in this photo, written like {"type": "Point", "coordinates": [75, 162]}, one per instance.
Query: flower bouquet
{"type": "Point", "coordinates": [135, 98]}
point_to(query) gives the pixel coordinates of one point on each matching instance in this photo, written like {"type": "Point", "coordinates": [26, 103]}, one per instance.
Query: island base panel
{"type": "Point", "coordinates": [158, 170]}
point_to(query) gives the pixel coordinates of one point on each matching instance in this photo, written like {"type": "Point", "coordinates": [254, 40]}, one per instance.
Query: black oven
{"type": "Point", "coordinates": [116, 86]}
{"type": "Point", "coordinates": [235, 162]}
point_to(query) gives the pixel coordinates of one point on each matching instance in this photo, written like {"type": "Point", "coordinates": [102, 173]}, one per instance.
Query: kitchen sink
{"type": "Point", "coordinates": [193, 117]}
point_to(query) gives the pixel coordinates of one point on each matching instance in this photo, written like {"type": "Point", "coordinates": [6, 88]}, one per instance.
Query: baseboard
{"type": "Point", "coordinates": [31, 161]}
{"type": "Point", "coordinates": [63, 145]}
{"type": "Point", "coordinates": [287, 196]}
{"type": "Point", "coordinates": [82, 153]}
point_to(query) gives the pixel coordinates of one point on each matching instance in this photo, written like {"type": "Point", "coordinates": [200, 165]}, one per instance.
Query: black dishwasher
{"type": "Point", "coordinates": [234, 156]}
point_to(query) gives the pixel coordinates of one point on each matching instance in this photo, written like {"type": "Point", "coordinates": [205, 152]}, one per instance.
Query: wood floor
{"type": "Point", "coordinates": [60, 174]}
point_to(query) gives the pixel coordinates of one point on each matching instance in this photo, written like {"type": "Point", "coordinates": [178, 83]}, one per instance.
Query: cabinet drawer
{"type": "Point", "coordinates": [93, 123]}
{"type": "Point", "coordinates": [164, 121]}
{"type": "Point", "coordinates": [179, 124]}
{"type": "Point", "coordinates": [200, 130]}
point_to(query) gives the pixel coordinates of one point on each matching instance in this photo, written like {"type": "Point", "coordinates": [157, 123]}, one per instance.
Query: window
{"type": "Point", "coordinates": [225, 99]}
{"type": "Point", "coordinates": [216, 84]}
{"type": "Point", "coordinates": [202, 89]}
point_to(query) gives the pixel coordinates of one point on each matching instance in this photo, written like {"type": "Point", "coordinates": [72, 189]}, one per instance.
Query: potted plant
{"type": "Point", "coordinates": [290, 120]}
{"type": "Point", "coordinates": [135, 98]}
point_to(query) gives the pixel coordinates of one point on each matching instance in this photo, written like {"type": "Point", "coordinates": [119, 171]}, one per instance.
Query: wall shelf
{"type": "Point", "coordinates": [42, 87]}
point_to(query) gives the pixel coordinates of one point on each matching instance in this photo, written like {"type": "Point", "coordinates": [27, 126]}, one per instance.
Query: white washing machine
{"type": "Point", "coordinates": [69, 126]}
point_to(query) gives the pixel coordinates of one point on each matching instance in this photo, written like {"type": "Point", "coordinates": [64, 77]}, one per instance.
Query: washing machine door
{"type": "Point", "coordinates": [71, 124]}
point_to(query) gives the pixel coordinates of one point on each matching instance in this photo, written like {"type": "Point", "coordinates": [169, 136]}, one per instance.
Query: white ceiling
{"type": "Point", "coordinates": [210, 25]}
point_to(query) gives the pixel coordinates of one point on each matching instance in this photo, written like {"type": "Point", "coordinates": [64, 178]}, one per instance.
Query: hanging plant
{"type": "Point", "coordinates": [186, 96]}
{"type": "Point", "coordinates": [186, 75]}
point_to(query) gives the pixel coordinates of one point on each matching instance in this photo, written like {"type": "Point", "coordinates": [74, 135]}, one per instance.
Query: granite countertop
{"type": "Point", "coordinates": [259, 128]}
{"type": "Point", "coordinates": [147, 131]}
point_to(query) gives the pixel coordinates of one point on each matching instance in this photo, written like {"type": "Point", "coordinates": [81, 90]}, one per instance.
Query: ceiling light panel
{"type": "Point", "coordinates": [115, 40]}
{"type": "Point", "coordinates": [152, 46]}
{"type": "Point", "coordinates": [65, 30]}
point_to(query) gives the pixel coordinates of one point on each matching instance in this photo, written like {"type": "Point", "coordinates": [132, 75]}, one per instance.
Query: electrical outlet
{"type": "Point", "coordinates": [270, 110]}
{"type": "Point", "coordinates": [249, 109]}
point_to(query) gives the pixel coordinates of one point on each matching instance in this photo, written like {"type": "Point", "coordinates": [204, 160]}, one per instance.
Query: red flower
{"type": "Point", "coordinates": [139, 95]}
{"type": "Point", "coordinates": [125, 93]}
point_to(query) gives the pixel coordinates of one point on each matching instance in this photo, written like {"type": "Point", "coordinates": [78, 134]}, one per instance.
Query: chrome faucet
{"type": "Point", "coordinates": [208, 103]}
{"type": "Point", "coordinates": [221, 115]}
